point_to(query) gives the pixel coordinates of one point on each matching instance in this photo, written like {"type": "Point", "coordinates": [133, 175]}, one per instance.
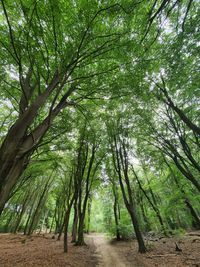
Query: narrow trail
{"type": "Point", "coordinates": [113, 255]}
{"type": "Point", "coordinates": [107, 256]}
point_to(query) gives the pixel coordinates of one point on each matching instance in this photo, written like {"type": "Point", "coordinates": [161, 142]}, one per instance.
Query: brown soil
{"type": "Point", "coordinates": [161, 253]}
{"type": "Point", "coordinates": [42, 251]}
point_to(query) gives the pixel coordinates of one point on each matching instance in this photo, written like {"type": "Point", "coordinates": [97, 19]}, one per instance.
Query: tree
{"type": "Point", "coordinates": [49, 65]}
{"type": "Point", "coordinates": [119, 144]}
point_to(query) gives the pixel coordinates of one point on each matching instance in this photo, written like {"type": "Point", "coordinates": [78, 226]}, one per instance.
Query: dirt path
{"type": "Point", "coordinates": [106, 252]}
{"type": "Point", "coordinates": [161, 252]}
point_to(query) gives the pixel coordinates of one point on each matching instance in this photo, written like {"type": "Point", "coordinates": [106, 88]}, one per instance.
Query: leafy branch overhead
{"type": "Point", "coordinates": [99, 117]}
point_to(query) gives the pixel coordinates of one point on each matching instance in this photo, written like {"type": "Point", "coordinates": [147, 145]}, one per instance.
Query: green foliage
{"type": "Point", "coordinates": [124, 68]}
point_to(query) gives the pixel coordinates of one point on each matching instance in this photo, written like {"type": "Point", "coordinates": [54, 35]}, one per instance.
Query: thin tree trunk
{"type": "Point", "coordinates": [120, 161]}
{"type": "Point", "coordinates": [66, 223]}
{"type": "Point", "coordinates": [142, 247]}
{"type": "Point", "coordinates": [115, 209]}
{"type": "Point", "coordinates": [154, 207]}
{"type": "Point", "coordinates": [75, 223]}
{"type": "Point", "coordinates": [80, 240]}
{"type": "Point", "coordinates": [36, 214]}
{"type": "Point", "coordinates": [180, 113]}
{"type": "Point", "coordinates": [195, 217]}
{"type": "Point", "coordinates": [19, 218]}
{"type": "Point", "coordinates": [147, 224]}
{"type": "Point", "coordinates": [89, 214]}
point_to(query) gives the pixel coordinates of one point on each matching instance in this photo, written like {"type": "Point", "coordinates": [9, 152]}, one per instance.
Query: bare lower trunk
{"type": "Point", "coordinates": [37, 212]}
{"type": "Point", "coordinates": [66, 223]}
{"type": "Point", "coordinates": [89, 214]}
{"type": "Point", "coordinates": [75, 224]}
{"type": "Point", "coordinates": [19, 218]}
{"type": "Point", "coordinates": [146, 221]}
{"type": "Point", "coordinates": [153, 203]}
{"type": "Point", "coordinates": [121, 166]}
{"type": "Point", "coordinates": [7, 185]}
{"type": "Point", "coordinates": [116, 220]}
{"type": "Point", "coordinates": [60, 231]}
{"type": "Point", "coordinates": [27, 222]}
{"type": "Point", "coordinates": [80, 240]}
{"type": "Point", "coordinates": [195, 217]}
{"type": "Point", "coordinates": [141, 245]}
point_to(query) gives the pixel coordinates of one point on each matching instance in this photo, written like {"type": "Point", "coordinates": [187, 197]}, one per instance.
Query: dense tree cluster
{"type": "Point", "coordinates": [99, 112]}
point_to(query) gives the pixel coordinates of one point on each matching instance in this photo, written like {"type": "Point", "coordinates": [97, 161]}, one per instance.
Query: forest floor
{"type": "Point", "coordinates": [42, 251]}
{"type": "Point", "coordinates": [162, 252]}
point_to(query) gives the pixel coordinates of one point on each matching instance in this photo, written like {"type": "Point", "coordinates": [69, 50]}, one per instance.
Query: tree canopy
{"type": "Point", "coordinates": [99, 104]}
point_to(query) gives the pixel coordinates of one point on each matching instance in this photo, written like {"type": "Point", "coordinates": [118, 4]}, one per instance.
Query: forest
{"type": "Point", "coordinates": [99, 133]}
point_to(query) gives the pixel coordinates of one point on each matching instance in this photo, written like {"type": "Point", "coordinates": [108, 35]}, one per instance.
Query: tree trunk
{"type": "Point", "coordinates": [66, 223]}
{"type": "Point", "coordinates": [146, 221]}
{"type": "Point", "coordinates": [180, 113]}
{"type": "Point", "coordinates": [195, 217]}
{"type": "Point", "coordinates": [187, 173]}
{"type": "Point", "coordinates": [19, 218]}
{"type": "Point", "coordinates": [75, 223]}
{"type": "Point", "coordinates": [27, 222]}
{"type": "Point", "coordinates": [7, 184]}
{"type": "Point", "coordinates": [80, 240]}
{"type": "Point", "coordinates": [18, 146]}
{"type": "Point", "coordinates": [60, 231]}
{"type": "Point", "coordinates": [120, 161]}
{"type": "Point", "coordinates": [141, 245]}
{"type": "Point", "coordinates": [89, 214]}
{"type": "Point", "coordinates": [115, 209]}
{"type": "Point", "coordinates": [36, 213]}
{"type": "Point", "coordinates": [153, 204]}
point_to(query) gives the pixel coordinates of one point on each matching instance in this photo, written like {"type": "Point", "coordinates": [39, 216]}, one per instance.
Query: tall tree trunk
{"type": "Point", "coordinates": [187, 173]}
{"type": "Point", "coordinates": [180, 113]}
{"type": "Point", "coordinates": [146, 221]}
{"type": "Point", "coordinates": [142, 247]}
{"type": "Point", "coordinates": [18, 146]}
{"type": "Point", "coordinates": [61, 230]}
{"type": "Point", "coordinates": [75, 223]}
{"type": "Point", "coordinates": [195, 217]}
{"type": "Point", "coordinates": [36, 213]}
{"type": "Point", "coordinates": [7, 184]}
{"type": "Point", "coordinates": [27, 222]}
{"type": "Point", "coordinates": [19, 218]}
{"type": "Point", "coordinates": [115, 209]}
{"type": "Point", "coordinates": [120, 161]}
{"type": "Point", "coordinates": [66, 222]}
{"type": "Point", "coordinates": [89, 215]}
{"type": "Point", "coordinates": [152, 204]}
{"type": "Point", "coordinates": [80, 240]}
{"type": "Point", "coordinates": [52, 223]}
{"type": "Point", "coordinates": [88, 183]}
{"type": "Point", "coordinates": [7, 224]}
